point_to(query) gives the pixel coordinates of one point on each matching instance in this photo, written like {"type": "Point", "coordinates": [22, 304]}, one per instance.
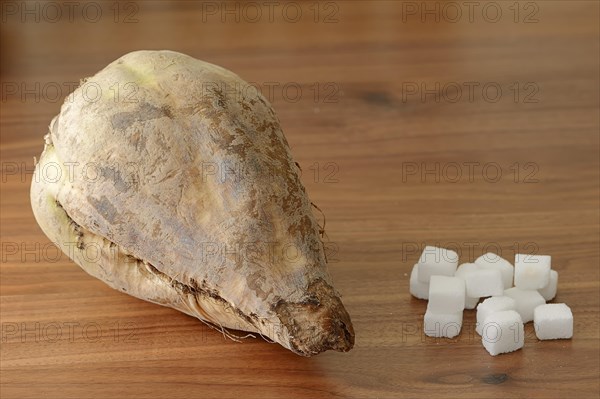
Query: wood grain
{"type": "Point", "coordinates": [366, 142]}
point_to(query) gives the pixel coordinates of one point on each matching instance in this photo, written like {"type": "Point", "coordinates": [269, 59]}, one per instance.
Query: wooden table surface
{"type": "Point", "coordinates": [476, 129]}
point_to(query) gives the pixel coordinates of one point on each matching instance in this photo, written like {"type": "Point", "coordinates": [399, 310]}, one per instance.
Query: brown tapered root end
{"type": "Point", "coordinates": [318, 323]}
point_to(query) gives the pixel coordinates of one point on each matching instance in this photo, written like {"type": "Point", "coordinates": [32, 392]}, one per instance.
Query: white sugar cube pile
{"type": "Point", "coordinates": [501, 317]}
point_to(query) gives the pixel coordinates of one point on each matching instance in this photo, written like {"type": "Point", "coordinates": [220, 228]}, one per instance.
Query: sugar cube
{"type": "Point", "coordinates": [532, 272]}
{"type": "Point", "coordinates": [553, 321]}
{"type": "Point", "coordinates": [418, 289]}
{"type": "Point", "coordinates": [503, 332]}
{"type": "Point", "coordinates": [465, 268]}
{"type": "Point", "coordinates": [492, 305]}
{"type": "Point", "coordinates": [436, 261]}
{"type": "Point", "coordinates": [442, 324]}
{"type": "Point", "coordinates": [446, 294]}
{"type": "Point", "coordinates": [526, 301]}
{"type": "Point", "coordinates": [493, 261]}
{"type": "Point", "coordinates": [470, 302]}
{"type": "Point", "coordinates": [549, 291]}
{"type": "Point", "coordinates": [484, 282]}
